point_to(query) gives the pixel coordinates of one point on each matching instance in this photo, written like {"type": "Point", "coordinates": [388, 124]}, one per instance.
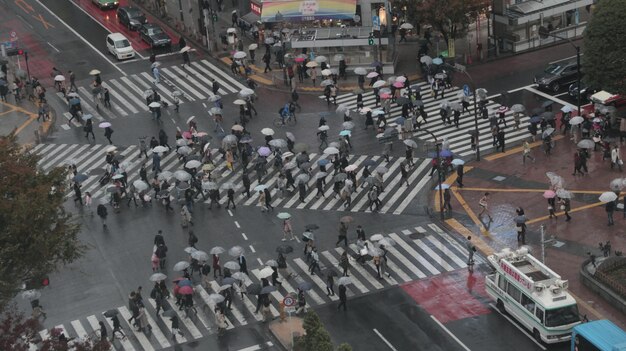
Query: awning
{"type": "Point", "coordinates": [307, 10]}
{"type": "Point", "coordinates": [250, 18]}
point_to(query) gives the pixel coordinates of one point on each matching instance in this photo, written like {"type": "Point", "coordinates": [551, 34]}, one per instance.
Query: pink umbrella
{"type": "Point", "coordinates": [187, 135]}
{"type": "Point", "coordinates": [299, 59]}
{"type": "Point", "coordinates": [385, 96]}
{"type": "Point", "coordinates": [185, 290]}
{"type": "Point", "coordinates": [264, 151]}
{"type": "Point", "coordinates": [398, 85]}
{"type": "Point", "coordinates": [503, 109]}
{"type": "Point", "coordinates": [201, 134]}
{"type": "Point", "coordinates": [549, 194]}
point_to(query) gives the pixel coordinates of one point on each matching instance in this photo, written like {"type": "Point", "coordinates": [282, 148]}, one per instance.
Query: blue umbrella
{"type": "Point", "coordinates": [323, 162]}
{"type": "Point", "coordinates": [446, 153]}
{"type": "Point", "coordinates": [400, 120]}
{"type": "Point", "coordinates": [345, 133]}
{"type": "Point", "coordinates": [376, 63]}
{"type": "Point", "coordinates": [86, 117]}
{"type": "Point", "coordinates": [535, 119]}
{"type": "Point", "coordinates": [185, 282]}
{"type": "Point", "coordinates": [443, 186]}
{"type": "Point", "coordinates": [74, 101]}
{"type": "Point", "coordinates": [79, 178]}
{"type": "Point", "coordinates": [437, 61]}
{"type": "Point", "coordinates": [228, 280]}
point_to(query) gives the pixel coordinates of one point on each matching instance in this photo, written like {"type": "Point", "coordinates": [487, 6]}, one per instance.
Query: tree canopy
{"type": "Point", "coordinates": [451, 17]}
{"type": "Point", "coordinates": [604, 59]}
{"type": "Point", "coordinates": [316, 337]}
{"type": "Point", "coordinates": [36, 233]}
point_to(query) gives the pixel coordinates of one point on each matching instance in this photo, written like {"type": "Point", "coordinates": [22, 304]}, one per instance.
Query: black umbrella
{"type": "Point", "coordinates": [312, 227]}
{"type": "Point", "coordinates": [548, 116]}
{"type": "Point", "coordinates": [169, 313]}
{"type": "Point", "coordinates": [284, 249]}
{"type": "Point", "coordinates": [537, 111]}
{"type": "Point", "coordinates": [304, 286]}
{"type": "Point", "coordinates": [111, 313]}
{"type": "Point", "coordinates": [402, 100]}
{"type": "Point", "coordinates": [79, 178]}
{"type": "Point", "coordinates": [254, 288]}
{"type": "Point", "coordinates": [268, 289]}
{"type": "Point", "coordinates": [547, 103]}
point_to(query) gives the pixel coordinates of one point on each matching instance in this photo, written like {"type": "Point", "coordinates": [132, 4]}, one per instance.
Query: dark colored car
{"type": "Point", "coordinates": [154, 35]}
{"type": "Point", "coordinates": [585, 91]}
{"type": "Point", "coordinates": [131, 17]}
{"type": "Point", "coordinates": [106, 4]}
{"type": "Point", "coordinates": [556, 76]}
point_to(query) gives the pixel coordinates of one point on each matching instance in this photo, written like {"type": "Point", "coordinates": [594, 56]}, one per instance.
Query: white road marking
{"type": "Point", "coordinates": [384, 340]}
{"type": "Point", "coordinates": [450, 333]}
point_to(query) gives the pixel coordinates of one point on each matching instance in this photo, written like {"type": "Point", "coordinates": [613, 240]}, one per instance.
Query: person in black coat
{"type": "Point", "coordinates": [158, 239]}
{"type": "Point", "coordinates": [342, 298]}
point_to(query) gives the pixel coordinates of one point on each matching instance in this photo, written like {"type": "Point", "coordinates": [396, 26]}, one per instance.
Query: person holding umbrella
{"type": "Point", "coordinates": [343, 298]}
{"type": "Point", "coordinates": [88, 128]}
{"type": "Point", "coordinates": [287, 230]}
{"type": "Point", "coordinates": [175, 326]}
{"type": "Point", "coordinates": [108, 132]}
{"type": "Point", "coordinates": [101, 210]}
{"type": "Point", "coordinates": [301, 302]}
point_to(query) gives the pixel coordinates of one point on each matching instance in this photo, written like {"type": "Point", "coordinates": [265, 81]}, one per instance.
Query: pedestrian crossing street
{"type": "Point", "coordinates": [127, 93]}
{"type": "Point", "coordinates": [396, 197]}
{"type": "Point", "coordinates": [419, 253]}
{"type": "Point", "coordinates": [458, 138]}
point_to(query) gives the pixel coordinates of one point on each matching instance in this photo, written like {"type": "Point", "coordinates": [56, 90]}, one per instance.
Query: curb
{"type": "Point", "coordinates": [601, 289]}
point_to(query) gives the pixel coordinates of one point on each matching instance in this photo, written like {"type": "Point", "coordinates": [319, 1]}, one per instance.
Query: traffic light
{"type": "Point", "coordinates": [370, 40]}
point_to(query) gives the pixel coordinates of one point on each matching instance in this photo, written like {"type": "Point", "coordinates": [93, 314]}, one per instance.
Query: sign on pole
{"type": "Point", "coordinates": [466, 90]}
{"type": "Point", "coordinates": [375, 22]}
{"type": "Point", "coordinates": [289, 301]}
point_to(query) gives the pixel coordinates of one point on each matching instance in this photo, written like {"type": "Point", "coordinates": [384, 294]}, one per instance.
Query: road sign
{"type": "Point", "coordinates": [466, 90]}
{"type": "Point", "coordinates": [289, 301]}
{"type": "Point", "coordinates": [376, 22]}
{"type": "Point", "coordinates": [13, 35]}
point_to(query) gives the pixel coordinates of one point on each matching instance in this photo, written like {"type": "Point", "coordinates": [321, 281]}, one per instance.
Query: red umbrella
{"type": "Point", "coordinates": [187, 135]}
{"type": "Point", "coordinates": [185, 290]}
{"type": "Point", "coordinates": [299, 59]}
{"type": "Point", "coordinates": [385, 96]}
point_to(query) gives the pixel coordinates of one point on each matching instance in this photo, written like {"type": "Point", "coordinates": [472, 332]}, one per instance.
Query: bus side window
{"type": "Point", "coordinates": [501, 282]}
{"type": "Point", "coordinates": [539, 314]}
{"type": "Point", "coordinates": [513, 292]}
{"type": "Point", "coordinates": [528, 303]}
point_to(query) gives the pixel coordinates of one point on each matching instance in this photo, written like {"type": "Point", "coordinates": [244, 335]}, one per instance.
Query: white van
{"type": "Point", "coordinates": [119, 46]}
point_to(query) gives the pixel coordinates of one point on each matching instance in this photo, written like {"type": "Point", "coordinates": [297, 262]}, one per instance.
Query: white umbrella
{"type": "Point", "coordinates": [140, 185]}
{"type": "Point", "coordinates": [181, 175]}
{"type": "Point", "coordinates": [232, 265]}
{"type": "Point", "coordinates": [608, 197]}
{"type": "Point", "coordinates": [214, 98]}
{"type": "Point", "coordinates": [379, 83]}
{"type": "Point", "coordinates": [406, 26]}
{"type": "Point", "coordinates": [236, 251]}
{"type": "Point", "coordinates": [410, 143]}
{"type": "Point", "coordinates": [323, 128]}
{"type": "Point", "coordinates": [360, 71]}
{"type": "Point", "coordinates": [266, 272]}
{"type": "Point", "coordinates": [154, 104]}
{"type": "Point", "coordinates": [217, 250]}
{"type": "Point", "coordinates": [157, 277]}
{"type": "Point", "coordinates": [311, 64]}
{"type": "Point", "coordinates": [31, 294]}
{"type": "Point", "coordinates": [321, 59]}
{"type": "Point", "coordinates": [376, 237]}
{"type": "Point", "coordinates": [267, 131]}
{"type": "Point", "coordinates": [111, 148]}
{"type": "Point", "coordinates": [326, 72]}
{"type": "Point", "coordinates": [246, 92]}
{"type": "Point", "coordinates": [458, 162]}
{"type": "Point", "coordinates": [401, 79]}
{"type": "Point", "coordinates": [239, 102]}
{"type": "Point", "coordinates": [351, 168]}
{"type": "Point", "coordinates": [518, 108]}
{"type": "Point", "coordinates": [331, 151]}
{"type": "Point", "coordinates": [372, 75]}
{"type": "Point", "coordinates": [567, 109]}
{"type": "Point", "coordinates": [185, 49]}
{"type": "Point", "coordinates": [576, 120]}
{"type": "Point", "coordinates": [271, 263]}
{"type": "Point", "coordinates": [217, 298]}
{"type": "Point", "coordinates": [59, 78]}
{"type": "Point", "coordinates": [427, 60]}
{"type": "Point", "coordinates": [94, 72]}
{"type": "Point", "coordinates": [193, 164]}
{"type": "Point", "coordinates": [339, 57]}
{"type": "Point", "coordinates": [181, 266]}
{"type": "Point", "coordinates": [240, 55]}
{"type": "Point", "coordinates": [159, 149]}
{"type": "Point", "coordinates": [200, 255]}
{"type": "Point", "coordinates": [104, 125]}
{"type": "Point", "coordinates": [231, 30]}
{"type": "Point", "coordinates": [252, 47]}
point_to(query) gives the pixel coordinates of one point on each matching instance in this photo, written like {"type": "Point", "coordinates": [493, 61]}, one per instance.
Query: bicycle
{"type": "Point", "coordinates": [283, 121]}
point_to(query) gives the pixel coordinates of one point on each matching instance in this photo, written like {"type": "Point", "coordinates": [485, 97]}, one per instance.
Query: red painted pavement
{"type": "Point", "coordinates": [108, 18]}
{"type": "Point", "coordinates": [451, 296]}
{"type": "Point", "coordinates": [38, 52]}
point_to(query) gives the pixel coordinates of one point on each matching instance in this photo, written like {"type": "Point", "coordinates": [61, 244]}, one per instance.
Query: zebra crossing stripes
{"type": "Point", "coordinates": [127, 93]}
{"type": "Point", "coordinates": [396, 197]}
{"type": "Point", "coordinates": [433, 246]}
{"type": "Point", "coordinates": [458, 137]}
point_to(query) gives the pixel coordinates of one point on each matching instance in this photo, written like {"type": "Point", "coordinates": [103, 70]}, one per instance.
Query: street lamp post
{"type": "Point", "coordinates": [544, 33]}
{"type": "Point", "coordinates": [461, 68]}
{"type": "Point", "coordinates": [439, 168]}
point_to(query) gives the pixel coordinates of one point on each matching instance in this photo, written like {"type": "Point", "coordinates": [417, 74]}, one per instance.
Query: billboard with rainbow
{"type": "Point", "coordinates": [307, 10]}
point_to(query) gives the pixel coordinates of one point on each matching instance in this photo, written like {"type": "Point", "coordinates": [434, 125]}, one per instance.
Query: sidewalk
{"type": "Point", "coordinates": [513, 184]}
{"type": "Point", "coordinates": [21, 118]}
{"type": "Point", "coordinates": [285, 331]}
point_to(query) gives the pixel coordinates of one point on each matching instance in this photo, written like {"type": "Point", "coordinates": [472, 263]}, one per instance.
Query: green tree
{"type": "Point", "coordinates": [604, 61]}
{"type": "Point", "coordinates": [36, 233]}
{"type": "Point", "coordinates": [17, 332]}
{"type": "Point", "coordinates": [409, 10]}
{"type": "Point", "coordinates": [316, 337]}
{"type": "Point", "coordinates": [451, 17]}
{"type": "Point", "coordinates": [344, 347]}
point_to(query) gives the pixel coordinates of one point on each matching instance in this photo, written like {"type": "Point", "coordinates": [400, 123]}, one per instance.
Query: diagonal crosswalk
{"type": "Point", "coordinates": [396, 197]}
{"type": "Point", "coordinates": [420, 249]}
{"type": "Point", "coordinates": [127, 93]}
{"type": "Point", "coordinates": [458, 138]}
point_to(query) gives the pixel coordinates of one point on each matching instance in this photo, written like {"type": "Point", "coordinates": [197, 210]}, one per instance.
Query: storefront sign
{"type": "Point", "coordinates": [255, 8]}
{"type": "Point", "coordinates": [307, 10]}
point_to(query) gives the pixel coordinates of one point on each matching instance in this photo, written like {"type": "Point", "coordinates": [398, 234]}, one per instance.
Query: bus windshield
{"type": "Point", "coordinates": [562, 316]}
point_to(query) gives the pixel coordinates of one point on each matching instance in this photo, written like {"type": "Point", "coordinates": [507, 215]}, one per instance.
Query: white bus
{"type": "Point", "coordinates": [533, 294]}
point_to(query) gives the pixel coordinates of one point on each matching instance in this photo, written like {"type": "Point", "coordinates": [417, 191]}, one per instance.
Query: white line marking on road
{"type": "Point", "coordinates": [52, 46]}
{"type": "Point", "coordinates": [78, 35]}
{"type": "Point", "coordinates": [244, 236]}
{"type": "Point", "coordinates": [237, 225]}
{"type": "Point", "coordinates": [259, 260]}
{"type": "Point", "coordinates": [230, 213]}
{"type": "Point", "coordinates": [384, 340]}
{"type": "Point", "coordinates": [252, 248]}
{"type": "Point", "coordinates": [518, 327]}
{"type": "Point", "coordinates": [550, 97]}
{"type": "Point", "coordinates": [450, 333]}
{"type": "Point", "coordinates": [257, 347]}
